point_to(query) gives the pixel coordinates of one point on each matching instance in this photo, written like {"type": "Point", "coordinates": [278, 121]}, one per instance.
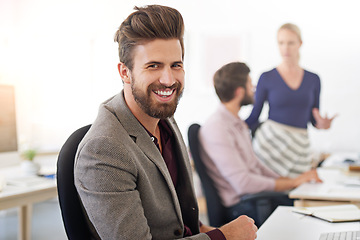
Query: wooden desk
{"type": "Point", "coordinates": [283, 224]}
{"type": "Point", "coordinates": [24, 197]}
{"type": "Point", "coordinates": [334, 190]}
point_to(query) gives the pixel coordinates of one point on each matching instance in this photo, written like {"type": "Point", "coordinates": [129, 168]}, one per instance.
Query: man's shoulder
{"type": "Point", "coordinates": [216, 124]}
{"type": "Point", "coordinates": [105, 132]}
{"type": "Point", "coordinates": [109, 122]}
{"type": "Point", "coordinates": [214, 119]}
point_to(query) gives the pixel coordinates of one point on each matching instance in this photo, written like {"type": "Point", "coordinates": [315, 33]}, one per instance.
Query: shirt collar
{"type": "Point", "coordinates": [163, 127]}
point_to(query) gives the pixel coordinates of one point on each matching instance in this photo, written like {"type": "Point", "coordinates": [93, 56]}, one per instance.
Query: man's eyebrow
{"type": "Point", "coordinates": [153, 62]}
{"type": "Point", "coordinates": [160, 63]}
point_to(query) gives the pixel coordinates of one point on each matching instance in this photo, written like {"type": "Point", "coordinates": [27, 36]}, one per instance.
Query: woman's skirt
{"type": "Point", "coordinates": [285, 149]}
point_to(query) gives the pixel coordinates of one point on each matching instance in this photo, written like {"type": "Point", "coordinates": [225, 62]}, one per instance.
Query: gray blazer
{"type": "Point", "coordinates": [124, 184]}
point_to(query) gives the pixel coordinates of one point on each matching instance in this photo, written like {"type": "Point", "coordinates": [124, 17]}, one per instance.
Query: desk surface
{"type": "Point", "coordinates": [324, 191]}
{"type": "Point", "coordinates": [338, 185]}
{"type": "Point", "coordinates": [23, 197]}
{"type": "Point", "coordinates": [13, 196]}
{"type": "Point", "coordinates": [283, 224]}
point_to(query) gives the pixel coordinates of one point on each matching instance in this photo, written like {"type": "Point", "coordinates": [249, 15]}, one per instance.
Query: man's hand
{"type": "Point", "coordinates": [242, 228]}
{"type": "Point", "coordinates": [309, 176]}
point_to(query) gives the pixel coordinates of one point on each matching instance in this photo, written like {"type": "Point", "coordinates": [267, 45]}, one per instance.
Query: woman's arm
{"type": "Point", "coordinates": [260, 97]}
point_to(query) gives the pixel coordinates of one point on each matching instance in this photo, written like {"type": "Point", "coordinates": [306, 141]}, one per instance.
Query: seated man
{"type": "Point", "coordinates": [132, 170]}
{"type": "Point", "coordinates": [226, 145]}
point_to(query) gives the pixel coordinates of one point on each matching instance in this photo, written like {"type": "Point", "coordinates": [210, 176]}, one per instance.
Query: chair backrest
{"type": "Point", "coordinates": [216, 211]}
{"type": "Point", "coordinates": [75, 222]}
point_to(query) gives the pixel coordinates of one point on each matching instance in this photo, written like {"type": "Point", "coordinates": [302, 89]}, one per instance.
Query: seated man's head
{"type": "Point", "coordinates": [232, 82]}
{"type": "Point", "coordinates": [151, 52]}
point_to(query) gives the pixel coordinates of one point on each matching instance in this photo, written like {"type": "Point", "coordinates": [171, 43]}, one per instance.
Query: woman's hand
{"type": "Point", "coordinates": [322, 122]}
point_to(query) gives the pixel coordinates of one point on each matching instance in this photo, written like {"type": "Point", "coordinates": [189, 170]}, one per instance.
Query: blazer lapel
{"type": "Point", "coordinates": [186, 193]}
{"type": "Point", "coordinates": [137, 132]}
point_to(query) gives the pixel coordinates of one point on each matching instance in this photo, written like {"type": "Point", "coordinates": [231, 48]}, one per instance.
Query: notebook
{"type": "Point", "coordinates": [335, 213]}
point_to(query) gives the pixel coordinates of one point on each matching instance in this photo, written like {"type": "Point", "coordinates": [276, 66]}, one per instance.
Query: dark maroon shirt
{"type": "Point", "coordinates": [170, 158]}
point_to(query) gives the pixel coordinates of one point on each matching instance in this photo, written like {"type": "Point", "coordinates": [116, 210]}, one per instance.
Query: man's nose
{"type": "Point", "coordinates": [167, 77]}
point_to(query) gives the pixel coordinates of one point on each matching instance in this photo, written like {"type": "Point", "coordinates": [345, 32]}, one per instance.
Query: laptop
{"type": "Point", "coordinates": [346, 235]}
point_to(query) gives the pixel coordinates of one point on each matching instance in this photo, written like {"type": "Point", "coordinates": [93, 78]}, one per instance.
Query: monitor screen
{"type": "Point", "coordinates": [8, 135]}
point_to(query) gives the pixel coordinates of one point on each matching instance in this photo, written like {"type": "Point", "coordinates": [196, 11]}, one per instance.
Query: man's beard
{"type": "Point", "coordinates": [247, 100]}
{"type": "Point", "coordinates": [153, 108]}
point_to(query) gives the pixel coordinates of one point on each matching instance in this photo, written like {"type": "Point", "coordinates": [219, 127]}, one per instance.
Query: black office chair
{"type": "Point", "coordinates": [262, 204]}
{"type": "Point", "coordinates": [75, 223]}
{"type": "Point", "coordinates": [215, 210]}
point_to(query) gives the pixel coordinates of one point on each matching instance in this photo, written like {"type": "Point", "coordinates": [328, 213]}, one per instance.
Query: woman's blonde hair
{"type": "Point", "coordinates": [293, 28]}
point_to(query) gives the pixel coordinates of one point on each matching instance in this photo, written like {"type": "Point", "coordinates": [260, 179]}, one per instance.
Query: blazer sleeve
{"type": "Point", "coordinates": [114, 209]}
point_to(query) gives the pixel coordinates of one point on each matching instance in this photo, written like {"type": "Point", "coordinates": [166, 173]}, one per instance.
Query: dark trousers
{"type": "Point", "coordinates": [259, 209]}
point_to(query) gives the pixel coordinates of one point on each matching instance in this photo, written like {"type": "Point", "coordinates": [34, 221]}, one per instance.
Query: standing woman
{"type": "Point", "coordinates": [293, 93]}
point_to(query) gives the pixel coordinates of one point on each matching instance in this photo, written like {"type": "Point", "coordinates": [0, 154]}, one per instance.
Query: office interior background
{"type": "Point", "coordinates": [61, 58]}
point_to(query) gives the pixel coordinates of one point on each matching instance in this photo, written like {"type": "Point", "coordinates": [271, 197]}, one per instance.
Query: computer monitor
{"type": "Point", "coordinates": [8, 134]}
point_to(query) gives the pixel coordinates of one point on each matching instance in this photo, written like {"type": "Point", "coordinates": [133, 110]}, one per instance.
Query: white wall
{"type": "Point", "coordinates": [61, 57]}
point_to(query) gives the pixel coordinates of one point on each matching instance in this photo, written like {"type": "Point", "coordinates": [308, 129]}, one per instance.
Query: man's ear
{"type": "Point", "coordinates": [239, 92]}
{"type": "Point", "coordinates": [124, 72]}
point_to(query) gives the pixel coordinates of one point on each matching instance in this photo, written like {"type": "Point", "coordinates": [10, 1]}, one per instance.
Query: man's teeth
{"type": "Point", "coordinates": [164, 93]}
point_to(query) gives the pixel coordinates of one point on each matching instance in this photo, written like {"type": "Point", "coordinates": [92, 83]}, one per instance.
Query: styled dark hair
{"type": "Point", "coordinates": [146, 24]}
{"type": "Point", "coordinates": [228, 78]}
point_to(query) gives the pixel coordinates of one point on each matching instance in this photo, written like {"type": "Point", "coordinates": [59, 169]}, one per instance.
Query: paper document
{"type": "Point", "coordinates": [25, 181]}
{"type": "Point", "coordinates": [336, 213]}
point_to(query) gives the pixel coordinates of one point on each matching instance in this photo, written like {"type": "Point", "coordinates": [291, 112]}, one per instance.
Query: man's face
{"type": "Point", "coordinates": [249, 93]}
{"type": "Point", "coordinates": [157, 78]}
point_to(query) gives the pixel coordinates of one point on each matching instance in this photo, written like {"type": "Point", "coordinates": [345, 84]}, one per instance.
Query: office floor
{"type": "Point", "coordinates": [46, 222]}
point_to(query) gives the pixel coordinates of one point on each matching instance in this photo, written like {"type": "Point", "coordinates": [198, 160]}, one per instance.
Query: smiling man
{"type": "Point", "coordinates": [132, 170]}
{"type": "Point", "coordinates": [153, 87]}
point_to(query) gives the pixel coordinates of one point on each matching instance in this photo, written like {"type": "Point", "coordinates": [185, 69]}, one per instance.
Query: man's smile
{"type": "Point", "coordinates": [164, 93]}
